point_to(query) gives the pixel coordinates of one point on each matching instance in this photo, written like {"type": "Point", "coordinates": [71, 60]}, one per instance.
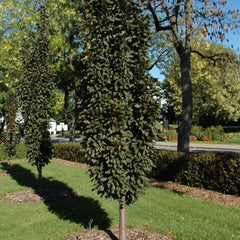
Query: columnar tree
{"type": "Point", "coordinates": [35, 91]}
{"type": "Point", "coordinates": [118, 100]}
{"type": "Point", "coordinates": [10, 136]}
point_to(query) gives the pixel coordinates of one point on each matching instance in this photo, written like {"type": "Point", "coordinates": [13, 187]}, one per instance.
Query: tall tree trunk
{"type": "Point", "coordinates": [72, 129]}
{"type": "Point", "coordinates": [74, 118]}
{"type": "Point", "coordinates": [122, 221]}
{"type": "Point", "coordinates": [66, 104]}
{"type": "Point", "coordinates": [71, 116]}
{"type": "Point", "coordinates": [187, 103]}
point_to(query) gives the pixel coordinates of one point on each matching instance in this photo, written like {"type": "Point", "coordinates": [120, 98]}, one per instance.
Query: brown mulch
{"type": "Point", "coordinates": [31, 196]}
{"type": "Point", "coordinates": [132, 234]}
{"type": "Point", "coordinates": [200, 193]}
{"type": "Point", "coordinates": [36, 196]}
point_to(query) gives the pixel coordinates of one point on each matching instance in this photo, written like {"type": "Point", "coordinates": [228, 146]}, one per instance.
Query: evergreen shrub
{"type": "Point", "coordinates": [69, 151]}
{"type": "Point", "coordinates": [218, 172]}
{"type": "Point", "coordinates": [20, 152]}
{"type": "Point", "coordinates": [167, 164]}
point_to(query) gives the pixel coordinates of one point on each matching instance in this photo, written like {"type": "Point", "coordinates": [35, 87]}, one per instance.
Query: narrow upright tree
{"type": "Point", "coordinates": [35, 90]}
{"type": "Point", "coordinates": [10, 136]}
{"type": "Point", "coordinates": [118, 100]}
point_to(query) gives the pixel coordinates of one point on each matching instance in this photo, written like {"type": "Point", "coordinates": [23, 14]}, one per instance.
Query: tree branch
{"type": "Point", "coordinates": [158, 59]}
{"type": "Point", "coordinates": [156, 22]}
{"type": "Point", "coordinates": [214, 58]}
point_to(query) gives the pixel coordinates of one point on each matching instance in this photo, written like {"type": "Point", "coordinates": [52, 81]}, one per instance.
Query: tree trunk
{"type": "Point", "coordinates": [74, 118]}
{"type": "Point", "coordinates": [2, 127]}
{"type": "Point", "coordinates": [71, 117]}
{"type": "Point", "coordinates": [122, 221]}
{"type": "Point", "coordinates": [187, 103]}
{"type": "Point", "coordinates": [39, 177]}
{"type": "Point", "coordinates": [72, 128]}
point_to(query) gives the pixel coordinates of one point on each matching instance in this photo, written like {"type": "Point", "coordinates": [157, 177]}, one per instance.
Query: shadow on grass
{"type": "Point", "coordinates": [61, 199]}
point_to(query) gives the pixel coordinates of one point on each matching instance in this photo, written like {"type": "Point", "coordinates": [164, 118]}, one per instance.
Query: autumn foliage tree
{"type": "Point", "coordinates": [119, 103]}
{"type": "Point", "coordinates": [177, 21]}
{"type": "Point", "coordinates": [35, 91]}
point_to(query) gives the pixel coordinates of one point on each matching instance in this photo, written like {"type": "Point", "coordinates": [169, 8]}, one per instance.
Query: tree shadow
{"type": "Point", "coordinates": [3, 166]}
{"type": "Point", "coordinates": [62, 200]}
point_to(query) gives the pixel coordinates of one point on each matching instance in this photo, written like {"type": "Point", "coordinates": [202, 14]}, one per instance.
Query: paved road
{"type": "Point", "coordinates": [194, 147]}
{"type": "Point", "coordinates": [61, 139]}
{"type": "Point", "coordinates": [201, 147]}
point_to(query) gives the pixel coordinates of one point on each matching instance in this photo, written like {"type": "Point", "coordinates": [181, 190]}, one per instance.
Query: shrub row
{"type": "Point", "coordinates": [218, 172]}
{"type": "Point", "coordinates": [20, 152]}
{"type": "Point", "coordinates": [69, 151]}
{"type": "Point", "coordinates": [213, 133]}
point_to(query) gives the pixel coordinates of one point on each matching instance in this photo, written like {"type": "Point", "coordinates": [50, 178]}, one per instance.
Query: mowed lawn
{"type": "Point", "coordinates": [159, 210]}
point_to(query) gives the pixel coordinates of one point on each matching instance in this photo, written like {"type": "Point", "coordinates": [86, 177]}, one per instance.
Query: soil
{"type": "Point", "coordinates": [132, 234]}
{"type": "Point", "coordinates": [31, 196]}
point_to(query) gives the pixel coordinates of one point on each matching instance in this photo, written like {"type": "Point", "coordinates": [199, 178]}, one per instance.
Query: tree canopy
{"type": "Point", "coordinates": [34, 91]}
{"type": "Point", "coordinates": [215, 89]}
{"type": "Point", "coordinates": [177, 21]}
{"type": "Point", "coordinates": [118, 101]}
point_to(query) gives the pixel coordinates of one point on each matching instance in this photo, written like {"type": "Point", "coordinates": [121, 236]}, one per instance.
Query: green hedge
{"type": "Point", "coordinates": [218, 172]}
{"type": "Point", "coordinates": [69, 151]}
{"type": "Point", "coordinates": [20, 152]}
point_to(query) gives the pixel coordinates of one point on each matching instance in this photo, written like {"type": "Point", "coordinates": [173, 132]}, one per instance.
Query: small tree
{"type": "Point", "coordinates": [10, 136]}
{"type": "Point", "coordinates": [118, 100]}
{"type": "Point", "coordinates": [35, 90]}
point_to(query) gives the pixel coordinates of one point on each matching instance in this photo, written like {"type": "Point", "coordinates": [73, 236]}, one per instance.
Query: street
{"type": "Point", "coordinates": [172, 146]}
{"type": "Point", "coordinates": [201, 147]}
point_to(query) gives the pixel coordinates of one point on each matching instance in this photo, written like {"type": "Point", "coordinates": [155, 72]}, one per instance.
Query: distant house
{"type": "Point", "coordinates": [62, 127]}
{"type": "Point", "coordinates": [52, 126]}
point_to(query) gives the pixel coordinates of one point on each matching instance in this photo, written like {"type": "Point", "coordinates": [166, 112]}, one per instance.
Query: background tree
{"type": "Point", "coordinates": [118, 100]}
{"type": "Point", "coordinates": [177, 21]}
{"type": "Point", "coordinates": [35, 91]}
{"type": "Point", "coordinates": [10, 138]}
{"type": "Point", "coordinates": [216, 97]}
{"type": "Point", "coordinates": [64, 43]}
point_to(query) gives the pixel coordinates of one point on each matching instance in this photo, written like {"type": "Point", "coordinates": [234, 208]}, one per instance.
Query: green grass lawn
{"type": "Point", "coordinates": [157, 210]}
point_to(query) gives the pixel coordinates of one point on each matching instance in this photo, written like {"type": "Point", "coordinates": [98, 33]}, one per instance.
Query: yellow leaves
{"type": "Point", "coordinates": [148, 223]}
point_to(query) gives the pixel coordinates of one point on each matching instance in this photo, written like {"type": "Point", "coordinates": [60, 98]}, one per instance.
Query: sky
{"type": "Point", "coordinates": [234, 39]}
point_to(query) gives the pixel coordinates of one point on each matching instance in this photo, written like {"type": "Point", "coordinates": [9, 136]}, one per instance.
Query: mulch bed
{"type": "Point", "coordinates": [132, 234]}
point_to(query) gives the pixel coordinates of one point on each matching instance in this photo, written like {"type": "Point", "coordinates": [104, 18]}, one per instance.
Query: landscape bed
{"type": "Point", "coordinates": [172, 214]}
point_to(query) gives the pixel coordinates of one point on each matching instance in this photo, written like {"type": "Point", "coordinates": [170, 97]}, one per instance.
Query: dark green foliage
{"type": "Point", "coordinates": [69, 151]}
{"type": "Point", "coordinates": [34, 91]}
{"type": "Point", "coordinates": [167, 165]}
{"type": "Point", "coordinates": [10, 137]}
{"type": "Point", "coordinates": [117, 98]}
{"type": "Point", "coordinates": [218, 172]}
{"type": "Point", "coordinates": [20, 152]}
